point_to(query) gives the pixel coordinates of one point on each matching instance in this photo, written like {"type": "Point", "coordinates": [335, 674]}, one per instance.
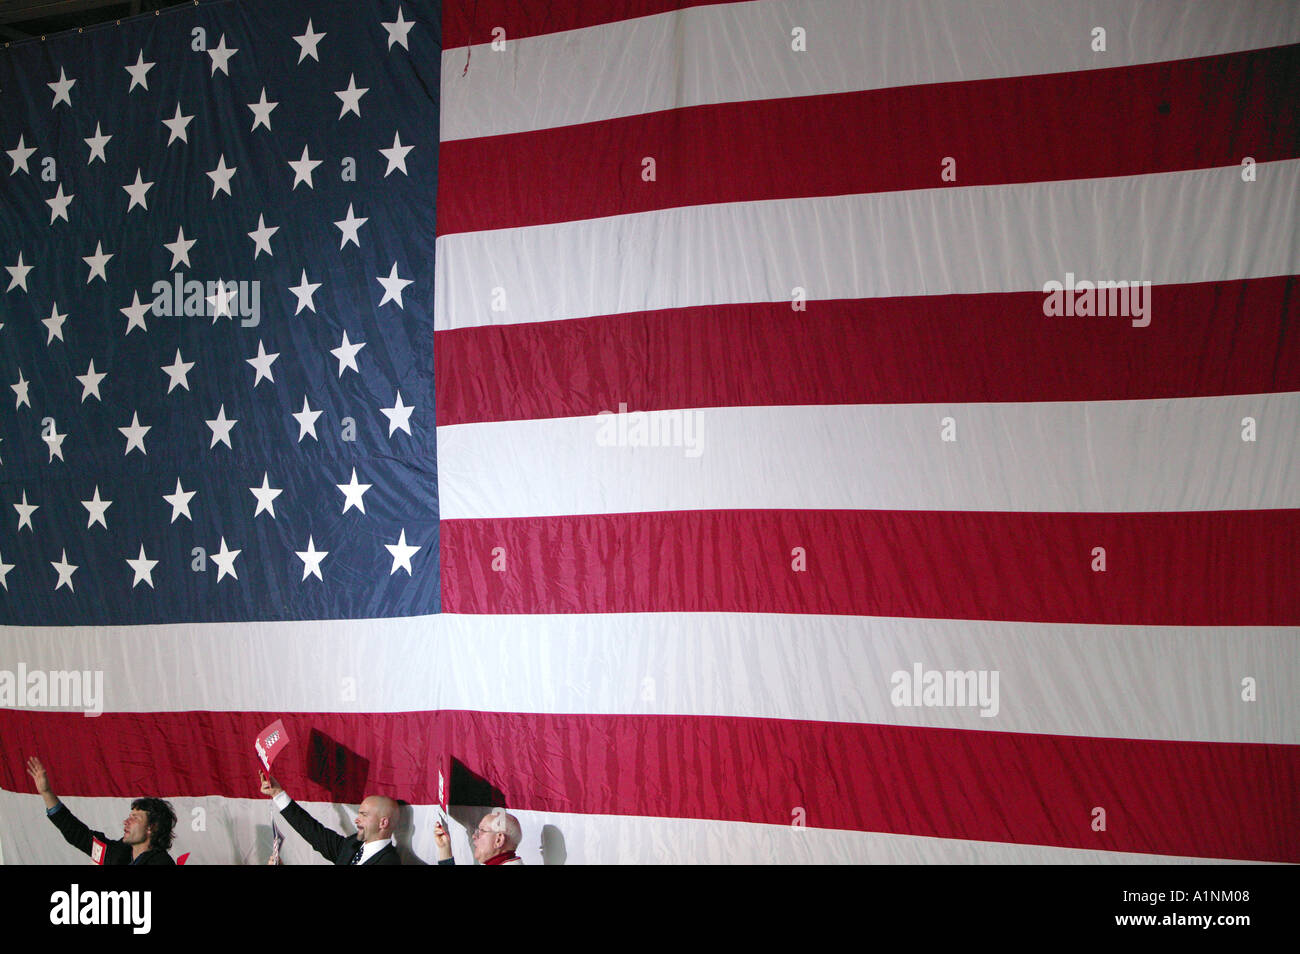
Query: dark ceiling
{"type": "Point", "coordinates": [21, 19]}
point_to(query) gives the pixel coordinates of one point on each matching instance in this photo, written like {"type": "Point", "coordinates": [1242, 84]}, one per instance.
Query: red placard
{"type": "Point", "coordinates": [444, 782]}
{"type": "Point", "coordinates": [270, 742]}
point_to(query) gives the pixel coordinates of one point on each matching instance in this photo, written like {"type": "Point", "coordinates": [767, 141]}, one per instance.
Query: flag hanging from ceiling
{"type": "Point", "coordinates": [817, 432]}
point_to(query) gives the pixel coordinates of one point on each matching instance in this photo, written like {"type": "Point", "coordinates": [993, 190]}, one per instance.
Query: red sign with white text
{"type": "Point", "coordinates": [270, 742]}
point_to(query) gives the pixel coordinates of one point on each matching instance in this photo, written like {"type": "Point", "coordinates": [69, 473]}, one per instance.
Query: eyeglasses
{"type": "Point", "coordinates": [481, 831]}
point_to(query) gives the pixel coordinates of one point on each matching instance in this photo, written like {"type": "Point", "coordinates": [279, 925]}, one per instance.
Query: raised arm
{"type": "Point", "coordinates": [37, 771]}
{"type": "Point", "coordinates": [74, 831]}
{"type": "Point", "coordinates": [327, 843]}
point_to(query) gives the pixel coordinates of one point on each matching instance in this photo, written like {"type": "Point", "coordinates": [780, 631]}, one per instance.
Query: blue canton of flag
{"type": "Point", "coordinates": [217, 253]}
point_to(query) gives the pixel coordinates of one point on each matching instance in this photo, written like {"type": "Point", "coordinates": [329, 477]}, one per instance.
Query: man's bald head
{"type": "Point", "coordinates": [377, 818]}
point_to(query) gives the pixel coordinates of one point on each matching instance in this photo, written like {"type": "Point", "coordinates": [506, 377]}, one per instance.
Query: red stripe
{"type": "Point", "coordinates": [1161, 117]}
{"type": "Point", "coordinates": [466, 22]}
{"type": "Point", "coordinates": [1222, 800]}
{"type": "Point", "coordinates": [1223, 568]}
{"type": "Point", "coordinates": [1205, 339]}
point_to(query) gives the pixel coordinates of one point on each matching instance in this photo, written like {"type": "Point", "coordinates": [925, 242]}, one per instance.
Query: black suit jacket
{"type": "Point", "coordinates": [333, 846]}
{"type": "Point", "coordinates": [76, 834]}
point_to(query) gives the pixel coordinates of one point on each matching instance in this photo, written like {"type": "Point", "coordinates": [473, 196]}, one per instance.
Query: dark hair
{"type": "Point", "coordinates": [162, 821]}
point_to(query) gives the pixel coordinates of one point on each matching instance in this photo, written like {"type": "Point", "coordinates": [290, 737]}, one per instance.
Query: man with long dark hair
{"type": "Point", "coordinates": [147, 831]}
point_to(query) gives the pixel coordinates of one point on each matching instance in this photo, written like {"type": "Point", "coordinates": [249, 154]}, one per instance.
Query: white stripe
{"type": "Point", "coordinates": [238, 831]}
{"type": "Point", "coordinates": [1118, 456]}
{"type": "Point", "coordinates": [1165, 228]}
{"type": "Point", "coordinates": [738, 52]}
{"type": "Point", "coordinates": [1174, 683]}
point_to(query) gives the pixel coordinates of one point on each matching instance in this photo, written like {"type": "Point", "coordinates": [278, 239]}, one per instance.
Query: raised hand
{"type": "Point", "coordinates": [270, 786]}
{"type": "Point", "coordinates": [37, 771]}
{"type": "Point", "coordinates": [442, 840]}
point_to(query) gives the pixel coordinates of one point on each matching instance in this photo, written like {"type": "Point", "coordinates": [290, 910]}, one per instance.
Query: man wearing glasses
{"type": "Point", "coordinates": [494, 840]}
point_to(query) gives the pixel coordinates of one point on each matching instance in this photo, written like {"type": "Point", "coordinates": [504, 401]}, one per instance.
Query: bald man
{"type": "Point", "coordinates": [372, 844]}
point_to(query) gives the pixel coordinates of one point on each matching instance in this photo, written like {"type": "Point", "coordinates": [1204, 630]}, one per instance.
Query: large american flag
{"type": "Point", "coordinates": [799, 250]}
